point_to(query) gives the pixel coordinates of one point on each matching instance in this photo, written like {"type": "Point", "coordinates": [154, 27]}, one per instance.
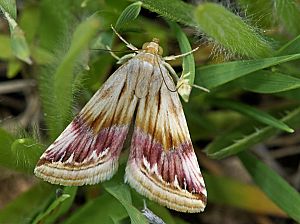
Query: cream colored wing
{"type": "Point", "coordinates": [162, 164]}
{"type": "Point", "coordinates": [87, 151]}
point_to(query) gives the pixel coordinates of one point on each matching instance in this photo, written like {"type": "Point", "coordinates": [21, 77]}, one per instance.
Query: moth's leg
{"type": "Point", "coordinates": [182, 80]}
{"type": "Point", "coordinates": [173, 57]}
{"type": "Point", "coordinates": [129, 45]}
{"type": "Point", "coordinates": [112, 53]}
{"type": "Point", "coordinates": [123, 59]}
{"type": "Point", "coordinates": [171, 70]}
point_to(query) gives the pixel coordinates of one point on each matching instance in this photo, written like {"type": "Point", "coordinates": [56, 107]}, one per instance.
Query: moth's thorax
{"type": "Point", "coordinates": [152, 47]}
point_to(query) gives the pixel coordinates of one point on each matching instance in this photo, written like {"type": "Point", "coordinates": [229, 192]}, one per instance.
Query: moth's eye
{"type": "Point", "coordinates": [145, 45]}
{"type": "Point", "coordinates": [160, 50]}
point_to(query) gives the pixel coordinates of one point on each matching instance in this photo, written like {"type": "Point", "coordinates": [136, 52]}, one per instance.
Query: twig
{"type": "Point", "coordinates": [16, 85]}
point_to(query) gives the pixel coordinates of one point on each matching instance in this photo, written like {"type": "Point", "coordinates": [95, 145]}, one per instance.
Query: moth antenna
{"type": "Point", "coordinates": [173, 57]}
{"type": "Point", "coordinates": [129, 45]}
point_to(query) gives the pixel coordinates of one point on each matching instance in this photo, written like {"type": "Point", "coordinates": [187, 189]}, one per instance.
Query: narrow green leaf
{"type": "Point", "coordinates": [229, 144]}
{"type": "Point", "coordinates": [18, 42]}
{"type": "Point", "coordinates": [104, 209]}
{"type": "Point", "coordinates": [130, 13]}
{"type": "Point", "coordinates": [122, 193]}
{"type": "Point", "coordinates": [10, 7]}
{"type": "Point", "coordinates": [58, 207]}
{"type": "Point", "coordinates": [25, 207]}
{"type": "Point", "coordinates": [63, 77]}
{"type": "Point", "coordinates": [26, 153]}
{"type": "Point", "coordinates": [19, 45]}
{"type": "Point", "coordinates": [288, 13]}
{"type": "Point", "coordinates": [275, 187]}
{"type": "Point", "coordinates": [41, 218]}
{"type": "Point", "coordinates": [231, 32]}
{"type": "Point", "coordinates": [188, 64]}
{"type": "Point", "coordinates": [268, 82]}
{"type": "Point", "coordinates": [212, 76]}
{"type": "Point", "coordinates": [174, 10]}
{"type": "Point", "coordinates": [252, 112]}
{"type": "Point", "coordinates": [226, 191]}
{"type": "Point", "coordinates": [292, 47]}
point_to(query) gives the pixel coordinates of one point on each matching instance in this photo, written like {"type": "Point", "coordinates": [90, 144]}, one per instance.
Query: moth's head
{"type": "Point", "coordinates": [153, 47]}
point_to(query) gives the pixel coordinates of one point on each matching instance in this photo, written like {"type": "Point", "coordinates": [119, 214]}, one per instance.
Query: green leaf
{"type": "Point", "coordinates": [58, 207]}
{"type": "Point", "coordinates": [9, 6]}
{"type": "Point", "coordinates": [174, 10]}
{"type": "Point", "coordinates": [26, 153]}
{"type": "Point", "coordinates": [188, 64]}
{"type": "Point", "coordinates": [275, 187]}
{"type": "Point", "coordinates": [19, 154]}
{"type": "Point", "coordinates": [292, 47]}
{"type": "Point", "coordinates": [229, 144]}
{"type": "Point", "coordinates": [252, 112]}
{"type": "Point", "coordinates": [212, 76]}
{"type": "Point", "coordinates": [129, 14]}
{"type": "Point", "coordinates": [231, 32]}
{"type": "Point", "coordinates": [64, 77]}
{"type": "Point", "coordinates": [122, 193]}
{"type": "Point", "coordinates": [226, 191]}
{"type": "Point", "coordinates": [288, 13]}
{"type": "Point", "coordinates": [104, 209]}
{"type": "Point", "coordinates": [25, 207]}
{"type": "Point", "coordinates": [268, 82]}
{"type": "Point", "coordinates": [18, 42]}
{"type": "Point", "coordinates": [41, 218]}
{"type": "Point", "coordinates": [19, 45]}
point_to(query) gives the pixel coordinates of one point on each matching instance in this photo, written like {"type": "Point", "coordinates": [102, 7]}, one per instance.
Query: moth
{"type": "Point", "coordinates": [162, 164]}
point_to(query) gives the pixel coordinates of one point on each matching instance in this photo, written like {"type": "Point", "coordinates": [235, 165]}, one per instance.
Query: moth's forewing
{"type": "Point", "coordinates": [87, 151]}
{"type": "Point", "coordinates": [162, 164]}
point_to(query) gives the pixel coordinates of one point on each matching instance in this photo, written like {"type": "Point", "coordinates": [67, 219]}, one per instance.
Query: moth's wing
{"type": "Point", "coordinates": [87, 151]}
{"type": "Point", "coordinates": [162, 164]}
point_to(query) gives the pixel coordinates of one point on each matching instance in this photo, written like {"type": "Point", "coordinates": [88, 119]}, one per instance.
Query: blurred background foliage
{"type": "Point", "coordinates": [245, 130]}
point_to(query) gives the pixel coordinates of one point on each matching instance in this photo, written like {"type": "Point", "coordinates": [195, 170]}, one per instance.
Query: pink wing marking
{"type": "Point", "coordinates": [162, 164]}
{"type": "Point", "coordinates": [87, 151]}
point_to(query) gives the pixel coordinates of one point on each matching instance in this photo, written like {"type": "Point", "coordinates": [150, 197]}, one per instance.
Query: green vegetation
{"type": "Point", "coordinates": [248, 61]}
